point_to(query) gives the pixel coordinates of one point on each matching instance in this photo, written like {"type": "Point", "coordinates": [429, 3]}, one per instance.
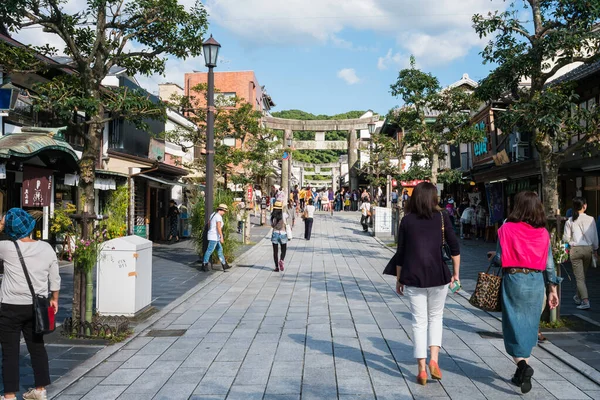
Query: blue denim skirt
{"type": "Point", "coordinates": [522, 302]}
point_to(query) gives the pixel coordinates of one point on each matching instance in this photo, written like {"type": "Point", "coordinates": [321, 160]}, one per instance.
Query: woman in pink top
{"type": "Point", "coordinates": [525, 255]}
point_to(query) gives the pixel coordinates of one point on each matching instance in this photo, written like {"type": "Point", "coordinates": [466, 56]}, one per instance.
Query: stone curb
{"type": "Point", "coordinates": [65, 381]}
{"type": "Point", "coordinates": [573, 362]}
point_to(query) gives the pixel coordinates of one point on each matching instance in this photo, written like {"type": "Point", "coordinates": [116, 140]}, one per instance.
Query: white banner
{"type": "Point", "coordinates": [2, 171]}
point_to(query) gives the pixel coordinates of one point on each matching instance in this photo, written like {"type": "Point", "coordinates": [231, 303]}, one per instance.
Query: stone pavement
{"type": "Point", "coordinates": [170, 280]}
{"type": "Point", "coordinates": [329, 327]}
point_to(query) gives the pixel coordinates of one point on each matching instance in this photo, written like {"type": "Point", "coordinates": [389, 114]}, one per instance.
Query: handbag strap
{"type": "Point", "coordinates": [583, 233]}
{"type": "Point", "coordinates": [25, 270]}
{"type": "Point", "coordinates": [443, 229]}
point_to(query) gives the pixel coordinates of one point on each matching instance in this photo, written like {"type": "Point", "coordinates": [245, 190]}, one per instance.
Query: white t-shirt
{"type": "Point", "coordinates": [310, 211]}
{"type": "Point", "coordinates": [213, 233]}
{"type": "Point", "coordinates": [364, 208]}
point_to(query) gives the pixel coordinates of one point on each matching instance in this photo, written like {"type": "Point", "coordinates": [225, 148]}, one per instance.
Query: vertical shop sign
{"type": "Point", "coordinates": [495, 202]}
{"type": "Point", "coordinates": [37, 187]}
{"type": "Point", "coordinates": [2, 171]}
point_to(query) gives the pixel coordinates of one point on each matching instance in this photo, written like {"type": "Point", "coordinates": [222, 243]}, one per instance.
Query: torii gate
{"type": "Point", "coordinates": [288, 126]}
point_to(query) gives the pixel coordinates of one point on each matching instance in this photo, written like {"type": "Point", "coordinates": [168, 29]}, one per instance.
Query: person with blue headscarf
{"type": "Point", "coordinates": [16, 309]}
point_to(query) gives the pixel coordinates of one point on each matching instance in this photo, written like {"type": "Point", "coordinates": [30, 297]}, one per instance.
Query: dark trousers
{"type": "Point", "coordinates": [308, 223]}
{"type": "Point", "coordinates": [15, 319]}
{"type": "Point", "coordinates": [364, 220]}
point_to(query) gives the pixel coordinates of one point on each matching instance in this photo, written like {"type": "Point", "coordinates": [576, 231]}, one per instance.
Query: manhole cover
{"type": "Point", "coordinates": [490, 335]}
{"type": "Point", "coordinates": [167, 332]}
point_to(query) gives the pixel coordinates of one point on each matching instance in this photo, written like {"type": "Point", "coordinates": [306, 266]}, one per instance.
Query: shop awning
{"type": "Point", "coordinates": [44, 143]}
{"type": "Point", "coordinates": [161, 180]}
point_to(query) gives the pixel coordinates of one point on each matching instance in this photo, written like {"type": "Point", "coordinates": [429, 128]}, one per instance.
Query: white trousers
{"type": "Point", "coordinates": [427, 307]}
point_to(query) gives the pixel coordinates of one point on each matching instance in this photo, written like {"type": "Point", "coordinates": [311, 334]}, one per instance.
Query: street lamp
{"type": "Point", "coordinates": [371, 126]}
{"type": "Point", "coordinates": [210, 48]}
{"type": "Point", "coordinates": [8, 98]}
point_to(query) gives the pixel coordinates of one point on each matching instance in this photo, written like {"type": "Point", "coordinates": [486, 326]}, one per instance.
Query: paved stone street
{"type": "Point", "coordinates": [329, 327]}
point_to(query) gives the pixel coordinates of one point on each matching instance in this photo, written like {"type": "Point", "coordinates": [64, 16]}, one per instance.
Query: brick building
{"type": "Point", "coordinates": [242, 84]}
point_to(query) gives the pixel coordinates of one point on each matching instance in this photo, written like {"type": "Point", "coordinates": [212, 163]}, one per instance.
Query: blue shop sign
{"type": "Point", "coordinates": [481, 148]}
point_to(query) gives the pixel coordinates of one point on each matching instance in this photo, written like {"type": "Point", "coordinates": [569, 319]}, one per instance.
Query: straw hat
{"type": "Point", "coordinates": [278, 205]}
{"type": "Point", "coordinates": [222, 207]}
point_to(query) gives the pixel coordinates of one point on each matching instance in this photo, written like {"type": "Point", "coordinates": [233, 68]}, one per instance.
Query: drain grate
{"type": "Point", "coordinates": [167, 332]}
{"type": "Point", "coordinates": [490, 335]}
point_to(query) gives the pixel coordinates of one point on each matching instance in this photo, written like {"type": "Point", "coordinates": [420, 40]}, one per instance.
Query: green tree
{"type": "Point", "coordinates": [250, 160]}
{"type": "Point", "coordinates": [560, 32]}
{"type": "Point", "coordinates": [421, 92]}
{"type": "Point", "coordinates": [383, 150]}
{"type": "Point", "coordinates": [136, 35]}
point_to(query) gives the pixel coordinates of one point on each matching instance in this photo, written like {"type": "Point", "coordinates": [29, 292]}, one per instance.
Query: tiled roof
{"type": "Point", "coordinates": [29, 144]}
{"type": "Point", "coordinates": [578, 73]}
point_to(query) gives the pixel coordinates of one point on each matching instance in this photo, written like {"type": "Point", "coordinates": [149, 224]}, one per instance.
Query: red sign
{"type": "Point", "coordinates": [37, 187]}
{"type": "Point", "coordinates": [394, 183]}
{"type": "Point", "coordinates": [411, 183]}
{"type": "Point", "coordinates": [249, 196]}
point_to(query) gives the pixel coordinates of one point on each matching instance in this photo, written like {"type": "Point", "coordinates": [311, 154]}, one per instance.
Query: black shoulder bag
{"type": "Point", "coordinates": [43, 313]}
{"type": "Point", "coordinates": [446, 253]}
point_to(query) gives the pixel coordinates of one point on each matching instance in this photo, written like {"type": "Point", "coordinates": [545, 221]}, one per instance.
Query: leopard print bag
{"type": "Point", "coordinates": [487, 291]}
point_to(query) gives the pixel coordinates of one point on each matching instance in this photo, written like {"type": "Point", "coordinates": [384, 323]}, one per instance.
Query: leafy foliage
{"type": "Point", "coordinates": [383, 149]}
{"type": "Point", "coordinates": [116, 210]}
{"type": "Point", "coordinates": [561, 32]}
{"type": "Point", "coordinates": [427, 131]}
{"type": "Point", "coordinates": [318, 156]}
{"type": "Point", "coordinates": [304, 116]}
{"type": "Point", "coordinates": [251, 160]}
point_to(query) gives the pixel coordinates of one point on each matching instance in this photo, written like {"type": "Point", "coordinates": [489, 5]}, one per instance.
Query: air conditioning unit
{"type": "Point", "coordinates": [521, 149]}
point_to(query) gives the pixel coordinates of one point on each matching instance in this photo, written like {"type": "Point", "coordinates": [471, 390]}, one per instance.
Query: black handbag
{"type": "Point", "coordinates": [43, 313]}
{"type": "Point", "coordinates": [446, 252]}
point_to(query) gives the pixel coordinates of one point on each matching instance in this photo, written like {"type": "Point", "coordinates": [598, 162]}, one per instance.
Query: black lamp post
{"type": "Point", "coordinates": [211, 53]}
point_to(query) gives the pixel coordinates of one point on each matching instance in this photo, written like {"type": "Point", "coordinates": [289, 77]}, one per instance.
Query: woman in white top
{"type": "Point", "coordinates": [279, 235]}
{"type": "Point", "coordinates": [365, 209]}
{"type": "Point", "coordinates": [309, 214]}
{"type": "Point", "coordinates": [580, 233]}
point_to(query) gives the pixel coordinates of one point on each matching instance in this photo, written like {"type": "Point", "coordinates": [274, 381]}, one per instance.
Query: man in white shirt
{"type": "Point", "coordinates": [215, 238]}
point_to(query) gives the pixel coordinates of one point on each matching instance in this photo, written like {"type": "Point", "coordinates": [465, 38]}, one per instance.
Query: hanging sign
{"type": "Point", "coordinates": [37, 187]}
{"type": "Point", "coordinates": [2, 171]}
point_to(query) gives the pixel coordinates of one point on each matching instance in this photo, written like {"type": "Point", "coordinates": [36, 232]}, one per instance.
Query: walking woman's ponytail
{"type": "Point", "coordinates": [578, 204]}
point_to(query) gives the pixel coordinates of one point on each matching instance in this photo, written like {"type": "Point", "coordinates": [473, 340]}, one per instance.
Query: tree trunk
{"type": "Point", "coordinates": [87, 171]}
{"type": "Point", "coordinates": [549, 165]}
{"type": "Point", "coordinates": [435, 166]}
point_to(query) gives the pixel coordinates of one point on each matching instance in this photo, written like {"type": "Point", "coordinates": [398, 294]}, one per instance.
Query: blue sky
{"type": "Point", "coordinates": [302, 50]}
{"type": "Point", "coordinates": [331, 56]}
{"type": "Point", "coordinates": [306, 77]}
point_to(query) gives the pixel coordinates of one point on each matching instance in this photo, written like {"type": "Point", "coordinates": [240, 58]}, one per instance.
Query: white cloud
{"type": "Point", "coordinates": [392, 60]}
{"type": "Point", "coordinates": [348, 75]}
{"type": "Point", "coordinates": [427, 25]}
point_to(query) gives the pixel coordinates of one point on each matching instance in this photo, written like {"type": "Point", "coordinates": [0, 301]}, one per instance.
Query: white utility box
{"type": "Point", "coordinates": [124, 276]}
{"type": "Point", "coordinates": [382, 222]}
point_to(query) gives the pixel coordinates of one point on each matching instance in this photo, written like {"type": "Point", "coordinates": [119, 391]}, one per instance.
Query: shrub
{"type": "Point", "coordinates": [116, 210]}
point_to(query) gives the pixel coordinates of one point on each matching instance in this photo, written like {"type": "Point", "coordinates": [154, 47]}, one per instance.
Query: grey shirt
{"type": "Point", "coordinates": [42, 265]}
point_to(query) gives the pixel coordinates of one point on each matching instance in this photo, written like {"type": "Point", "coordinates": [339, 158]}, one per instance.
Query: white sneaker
{"type": "Point", "coordinates": [577, 300]}
{"type": "Point", "coordinates": [34, 394]}
{"type": "Point", "coordinates": [584, 306]}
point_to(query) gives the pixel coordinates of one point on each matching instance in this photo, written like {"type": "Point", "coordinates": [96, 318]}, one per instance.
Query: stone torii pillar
{"type": "Point", "coordinates": [353, 159]}
{"type": "Point", "coordinates": [286, 165]}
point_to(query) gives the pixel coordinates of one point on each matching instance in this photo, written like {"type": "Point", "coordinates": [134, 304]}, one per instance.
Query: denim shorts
{"type": "Point", "coordinates": [279, 238]}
